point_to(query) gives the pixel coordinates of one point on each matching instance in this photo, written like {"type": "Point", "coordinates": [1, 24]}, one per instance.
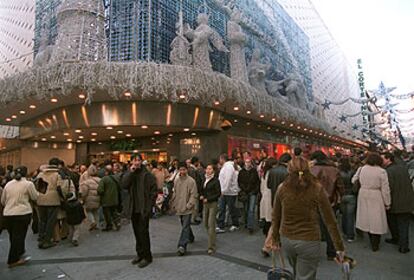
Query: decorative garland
{"type": "Point", "coordinates": [326, 105]}
{"type": "Point", "coordinates": [148, 81]}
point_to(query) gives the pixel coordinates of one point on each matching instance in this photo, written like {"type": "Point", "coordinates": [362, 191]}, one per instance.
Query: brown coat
{"type": "Point", "coordinates": [184, 195]}
{"type": "Point", "coordinates": [296, 215]}
{"type": "Point", "coordinates": [330, 178]}
{"type": "Point", "coordinates": [88, 190]}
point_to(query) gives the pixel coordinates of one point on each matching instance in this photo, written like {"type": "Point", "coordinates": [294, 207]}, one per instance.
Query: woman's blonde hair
{"type": "Point", "coordinates": [300, 176]}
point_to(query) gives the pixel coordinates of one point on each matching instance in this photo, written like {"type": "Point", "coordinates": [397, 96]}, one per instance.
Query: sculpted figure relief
{"type": "Point", "coordinates": [237, 38]}
{"type": "Point", "coordinates": [296, 92]}
{"type": "Point", "coordinates": [201, 38]}
{"type": "Point", "coordinates": [45, 51]}
{"type": "Point", "coordinates": [257, 71]}
{"type": "Point", "coordinates": [180, 46]}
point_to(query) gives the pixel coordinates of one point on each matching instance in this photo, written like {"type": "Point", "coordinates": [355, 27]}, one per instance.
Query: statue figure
{"type": "Point", "coordinates": [296, 92]}
{"type": "Point", "coordinates": [180, 46]}
{"type": "Point", "coordinates": [316, 109]}
{"type": "Point", "coordinates": [257, 71]}
{"type": "Point", "coordinates": [237, 38]}
{"type": "Point", "coordinates": [273, 88]}
{"type": "Point", "coordinates": [201, 38]}
{"type": "Point", "coordinates": [44, 52]}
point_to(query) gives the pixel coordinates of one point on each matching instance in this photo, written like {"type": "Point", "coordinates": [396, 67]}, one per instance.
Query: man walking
{"type": "Point", "coordinates": [402, 201]}
{"type": "Point", "coordinates": [109, 191]}
{"type": "Point", "coordinates": [142, 189]}
{"type": "Point", "coordinates": [183, 201]}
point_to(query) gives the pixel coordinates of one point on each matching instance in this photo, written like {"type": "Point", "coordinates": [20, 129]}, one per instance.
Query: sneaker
{"type": "Point", "coordinates": [233, 228]}
{"type": "Point", "coordinates": [350, 240]}
{"type": "Point", "coordinates": [391, 241]}
{"type": "Point", "coordinates": [18, 263]}
{"type": "Point", "coordinates": [181, 251]}
{"type": "Point", "coordinates": [220, 230]}
{"type": "Point", "coordinates": [46, 245]}
{"type": "Point", "coordinates": [404, 250]}
{"type": "Point", "coordinates": [136, 260]}
{"type": "Point", "coordinates": [143, 263]}
{"type": "Point", "coordinates": [210, 252]}
{"type": "Point", "coordinates": [75, 243]}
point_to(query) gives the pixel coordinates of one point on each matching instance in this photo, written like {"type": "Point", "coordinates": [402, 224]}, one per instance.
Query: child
{"type": "Point", "coordinates": [74, 215]}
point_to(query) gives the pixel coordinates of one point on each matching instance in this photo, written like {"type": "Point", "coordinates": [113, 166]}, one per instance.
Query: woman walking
{"type": "Point", "coordinates": [373, 199]}
{"type": "Point", "coordinates": [298, 203]}
{"type": "Point", "coordinates": [90, 196]}
{"type": "Point", "coordinates": [209, 196]}
{"type": "Point", "coordinates": [17, 213]}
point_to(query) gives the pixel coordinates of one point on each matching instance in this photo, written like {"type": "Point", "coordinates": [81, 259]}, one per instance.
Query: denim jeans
{"type": "Point", "coordinates": [186, 231]}
{"type": "Point", "coordinates": [249, 210]}
{"type": "Point", "coordinates": [348, 209]}
{"type": "Point", "coordinates": [230, 201]}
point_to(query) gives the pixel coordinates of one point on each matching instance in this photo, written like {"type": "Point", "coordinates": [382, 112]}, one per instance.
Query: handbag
{"type": "Point", "coordinates": [357, 185]}
{"type": "Point", "coordinates": [279, 273]}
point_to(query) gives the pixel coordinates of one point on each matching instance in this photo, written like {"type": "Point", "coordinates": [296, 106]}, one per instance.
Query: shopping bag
{"type": "Point", "coordinates": [279, 273]}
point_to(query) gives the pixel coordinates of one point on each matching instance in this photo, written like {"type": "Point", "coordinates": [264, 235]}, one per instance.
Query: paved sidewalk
{"type": "Point", "coordinates": [106, 256]}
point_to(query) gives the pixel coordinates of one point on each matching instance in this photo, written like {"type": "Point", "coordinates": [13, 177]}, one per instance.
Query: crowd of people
{"type": "Point", "coordinates": [296, 200]}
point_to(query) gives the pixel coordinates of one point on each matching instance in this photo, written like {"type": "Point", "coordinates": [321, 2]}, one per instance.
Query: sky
{"type": "Point", "coordinates": [380, 32]}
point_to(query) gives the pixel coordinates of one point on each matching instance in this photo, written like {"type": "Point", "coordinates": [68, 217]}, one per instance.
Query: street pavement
{"type": "Point", "coordinates": [107, 255]}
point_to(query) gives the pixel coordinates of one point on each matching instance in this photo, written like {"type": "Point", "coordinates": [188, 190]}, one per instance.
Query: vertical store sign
{"type": "Point", "coordinates": [361, 83]}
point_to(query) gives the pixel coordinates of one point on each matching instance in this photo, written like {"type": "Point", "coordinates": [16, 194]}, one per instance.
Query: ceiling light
{"type": "Point", "coordinates": [54, 100]}
{"type": "Point", "coordinates": [82, 96]}
{"type": "Point", "coordinates": [8, 119]}
{"type": "Point", "coordinates": [216, 103]}
{"type": "Point", "coordinates": [236, 121]}
{"type": "Point", "coordinates": [181, 96]}
{"type": "Point", "coordinates": [109, 127]}
{"type": "Point", "coordinates": [127, 94]}
{"type": "Point", "coordinates": [113, 137]}
{"type": "Point", "coordinates": [273, 119]}
{"type": "Point", "coordinates": [32, 106]}
{"type": "Point", "coordinates": [69, 140]}
{"type": "Point", "coordinates": [14, 117]}
{"type": "Point", "coordinates": [262, 116]}
{"type": "Point", "coordinates": [44, 139]}
{"type": "Point", "coordinates": [99, 143]}
{"type": "Point", "coordinates": [248, 123]}
{"type": "Point", "coordinates": [94, 133]}
{"type": "Point", "coordinates": [78, 131]}
{"type": "Point", "coordinates": [186, 129]}
{"type": "Point", "coordinates": [193, 134]}
{"type": "Point", "coordinates": [291, 125]}
{"type": "Point", "coordinates": [236, 108]}
{"type": "Point", "coordinates": [78, 141]}
{"type": "Point", "coordinates": [93, 139]}
{"type": "Point", "coordinates": [22, 112]}
{"type": "Point", "coordinates": [53, 137]}
{"type": "Point", "coordinates": [144, 126]}
{"type": "Point", "coordinates": [248, 112]}
{"type": "Point", "coordinates": [80, 137]}
{"type": "Point", "coordinates": [119, 132]}
{"type": "Point", "coordinates": [157, 132]}
{"type": "Point", "coordinates": [128, 135]}
{"type": "Point", "coordinates": [66, 134]}
{"type": "Point", "coordinates": [171, 135]}
{"type": "Point", "coordinates": [283, 122]}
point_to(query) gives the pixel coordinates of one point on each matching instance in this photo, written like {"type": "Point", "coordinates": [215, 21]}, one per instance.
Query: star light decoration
{"type": "Point", "coordinates": [355, 127]}
{"type": "Point", "coordinates": [343, 118]}
{"type": "Point", "coordinates": [326, 105]}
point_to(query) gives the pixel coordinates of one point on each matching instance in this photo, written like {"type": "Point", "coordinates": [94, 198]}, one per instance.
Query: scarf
{"type": "Point", "coordinates": [208, 178]}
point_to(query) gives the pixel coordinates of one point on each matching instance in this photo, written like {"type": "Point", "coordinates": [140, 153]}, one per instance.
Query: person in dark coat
{"type": "Point", "coordinates": [74, 217]}
{"type": "Point", "coordinates": [249, 184]}
{"type": "Point", "coordinates": [278, 173]}
{"type": "Point", "coordinates": [330, 179]}
{"type": "Point", "coordinates": [402, 201]}
{"type": "Point", "coordinates": [209, 196]}
{"type": "Point", "coordinates": [142, 188]}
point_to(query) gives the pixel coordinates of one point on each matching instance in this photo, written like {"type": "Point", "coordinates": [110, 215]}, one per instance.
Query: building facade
{"type": "Point", "coordinates": [170, 79]}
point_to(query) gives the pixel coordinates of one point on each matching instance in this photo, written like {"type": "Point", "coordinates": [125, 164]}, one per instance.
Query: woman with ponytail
{"type": "Point", "coordinates": [17, 213]}
{"type": "Point", "coordinates": [298, 203]}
